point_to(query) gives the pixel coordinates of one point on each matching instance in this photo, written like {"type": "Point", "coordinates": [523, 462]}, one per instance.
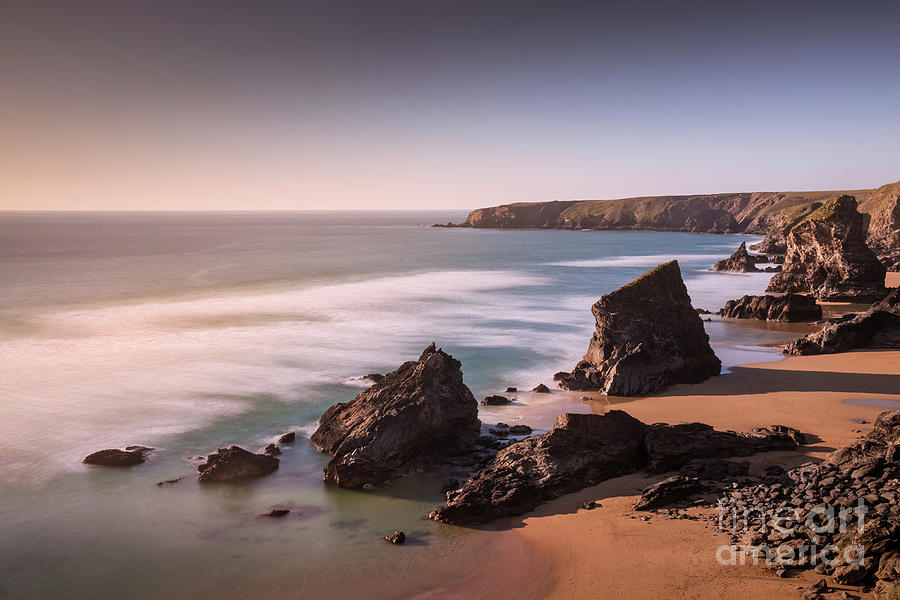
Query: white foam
{"type": "Point", "coordinates": [649, 260]}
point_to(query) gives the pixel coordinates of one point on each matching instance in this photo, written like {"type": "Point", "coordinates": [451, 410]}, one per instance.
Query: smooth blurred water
{"type": "Point", "coordinates": [188, 332]}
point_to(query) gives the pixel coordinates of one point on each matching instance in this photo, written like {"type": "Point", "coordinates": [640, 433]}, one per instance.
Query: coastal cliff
{"type": "Point", "coordinates": [772, 214]}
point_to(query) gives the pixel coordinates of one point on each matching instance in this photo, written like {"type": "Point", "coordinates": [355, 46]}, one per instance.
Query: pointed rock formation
{"type": "Point", "coordinates": [740, 262]}
{"type": "Point", "coordinates": [648, 337]}
{"type": "Point", "coordinates": [884, 228]}
{"type": "Point", "coordinates": [879, 327]}
{"type": "Point", "coordinates": [827, 257]}
{"type": "Point", "coordinates": [789, 308]}
{"type": "Point", "coordinates": [420, 413]}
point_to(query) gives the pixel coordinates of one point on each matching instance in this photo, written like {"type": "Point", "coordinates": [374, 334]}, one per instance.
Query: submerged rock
{"type": "Point", "coordinates": [232, 463]}
{"type": "Point", "coordinates": [272, 450]}
{"type": "Point", "coordinates": [420, 413]}
{"type": "Point", "coordinates": [648, 337]}
{"type": "Point", "coordinates": [541, 389]}
{"type": "Point", "coordinates": [827, 257]}
{"type": "Point", "coordinates": [740, 262]}
{"type": "Point", "coordinates": [580, 450]}
{"type": "Point", "coordinates": [398, 537]}
{"type": "Point", "coordinates": [495, 400]}
{"type": "Point", "coordinates": [287, 438]}
{"type": "Point", "coordinates": [133, 455]}
{"type": "Point", "coordinates": [879, 327]}
{"type": "Point", "coordinates": [788, 308]}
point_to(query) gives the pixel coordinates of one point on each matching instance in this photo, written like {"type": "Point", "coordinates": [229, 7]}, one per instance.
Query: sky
{"type": "Point", "coordinates": [430, 104]}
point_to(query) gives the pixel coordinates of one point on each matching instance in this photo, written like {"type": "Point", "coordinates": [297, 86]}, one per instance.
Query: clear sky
{"type": "Point", "coordinates": [226, 104]}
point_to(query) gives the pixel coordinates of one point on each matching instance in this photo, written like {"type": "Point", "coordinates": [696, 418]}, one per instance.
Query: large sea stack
{"type": "Point", "coordinates": [648, 337]}
{"type": "Point", "coordinates": [879, 327]}
{"type": "Point", "coordinates": [827, 257]}
{"type": "Point", "coordinates": [419, 414]}
{"type": "Point", "coordinates": [739, 262]}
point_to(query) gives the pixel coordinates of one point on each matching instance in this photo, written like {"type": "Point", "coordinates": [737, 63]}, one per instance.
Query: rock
{"type": "Point", "coordinates": [541, 389]}
{"type": "Point", "coordinates": [375, 378]}
{"type": "Point", "coordinates": [585, 398]}
{"type": "Point", "coordinates": [287, 438]}
{"type": "Point", "coordinates": [827, 257]}
{"type": "Point", "coordinates": [560, 375]}
{"type": "Point", "coordinates": [878, 446]}
{"type": "Point", "coordinates": [511, 390]}
{"type": "Point", "coordinates": [235, 463]}
{"type": "Point", "coordinates": [272, 450]}
{"type": "Point", "coordinates": [277, 513]}
{"type": "Point", "coordinates": [668, 491]}
{"type": "Point", "coordinates": [714, 469]}
{"type": "Point", "coordinates": [170, 481]}
{"type": "Point", "coordinates": [591, 505]}
{"type": "Point", "coordinates": [788, 308]}
{"type": "Point", "coordinates": [740, 262]}
{"type": "Point", "coordinates": [887, 590]}
{"type": "Point", "coordinates": [672, 446]}
{"type": "Point", "coordinates": [112, 457]}
{"type": "Point", "coordinates": [889, 566]}
{"type": "Point", "coordinates": [883, 204]}
{"type": "Point", "coordinates": [580, 451]}
{"type": "Point", "coordinates": [879, 327]}
{"type": "Point", "coordinates": [450, 485]}
{"type": "Point", "coordinates": [702, 311]}
{"type": "Point", "coordinates": [520, 430]}
{"type": "Point", "coordinates": [496, 400]}
{"type": "Point", "coordinates": [398, 537]}
{"type": "Point", "coordinates": [419, 414]}
{"type": "Point", "coordinates": [648, 337]}
{"type": "Point", "coordinates": [500, 429]}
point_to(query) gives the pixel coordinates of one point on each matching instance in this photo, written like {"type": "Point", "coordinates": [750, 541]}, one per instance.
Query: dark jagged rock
{"type": "Point", "coordinates": [287, 438]}
{"type": "Point", "coordinates": [512, 390]}
{"type": "Point", "coordinates": [879, 327]}
{"type": "Point", "coordinates": [277, 513]}
{"type": "Point", "coordinates": [668, 491]}
{"type": "Point", "coordinates": [580, 450]}
{"type": "Point", "coordinates": [235, 463]}
{"type": "Point", "coordinates": [671, 446]}
{"type": "Point", "coordinates": [584, 450]}
{"type": "Point", "coordinates": [272, 450]}
{"type": "Point", "coordinates": [541, 389]}
{"type": "Point", "coordinates": [882, 444]}
{"type": "Point", "coordinates": [648, 337]}
{"type": "Point", "coordinates": [827, 257]}
{"type": "Point", "coordinates": [520, 430]}
{"type": "Point", "coordinates": [419, 414]}
{"type": "Point", "coordinates": [374, 377]}
{"type": "Point", "coordinates": [740, 262]}
{"type": "Point", "coordinates": [172, 481]}
{"type": "Point", "coordinates": [788, 308]}
{"type": "Point", "coordinates": [133, 455]}
{"type": "Point", "coordinates": [495, 400]}
{"type": "Point", "coordinates": [398, 537]}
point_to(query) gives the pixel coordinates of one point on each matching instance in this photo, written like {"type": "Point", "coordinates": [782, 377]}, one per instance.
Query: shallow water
{"type": "Point", "coordinates": [188, 332]}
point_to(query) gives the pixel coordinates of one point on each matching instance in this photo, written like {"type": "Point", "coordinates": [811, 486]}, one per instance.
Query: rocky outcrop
{"type": "Point", "coordinates": [132, 455]}
{"type": "Point", "coordinates": [580, 450]}
{"type": "Point", "coordinates": [879, 327]}
{"type": "Point", "coordinates": [883, 209]}
{"type": "Point", "coordinates": [584, 450]}
{"type": "Point", "coordinates": [418, 414]}
{"type": "Point", "coordinates": [827, 257]}
{"type": "Point", "coordinates": [541, 389]}
{"type": "Point", "coordinates": [671, 446]}
{"type": "Point", "coordinates": [740, 262]}
{"type": "Point", "coordinates": [648, 336]}
{"type": "Point", "coordinates": [668, 491]}
{"type": "Point", "coordinates": [228, 464]}
{"type": "Point", "coordinates": [789, 308]}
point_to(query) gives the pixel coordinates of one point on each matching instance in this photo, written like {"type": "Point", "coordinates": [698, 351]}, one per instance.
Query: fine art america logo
{"type": "Point", "coordinates": [804, 534]}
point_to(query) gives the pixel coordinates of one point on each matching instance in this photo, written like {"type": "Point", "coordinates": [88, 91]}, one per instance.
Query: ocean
{"type": "Point", "coordinates": [188, 332]}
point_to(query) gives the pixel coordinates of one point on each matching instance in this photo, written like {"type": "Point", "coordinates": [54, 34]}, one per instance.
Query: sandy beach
{"type": "Point", "coordinates": [563, 551]}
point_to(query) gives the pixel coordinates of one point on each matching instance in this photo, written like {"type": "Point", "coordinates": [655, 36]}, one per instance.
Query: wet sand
{"type": "Point", "coordinates": [606, 553]}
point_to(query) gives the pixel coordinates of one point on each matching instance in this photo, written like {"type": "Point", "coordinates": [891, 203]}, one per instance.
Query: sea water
{"type": "Point", "coordinates": [188, 332]}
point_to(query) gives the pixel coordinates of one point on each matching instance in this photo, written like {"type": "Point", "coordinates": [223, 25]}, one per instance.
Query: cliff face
{"type": "Point", "coordinates": [827, 257]}
{"type": "Point", "coordinates": [772, 214]}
